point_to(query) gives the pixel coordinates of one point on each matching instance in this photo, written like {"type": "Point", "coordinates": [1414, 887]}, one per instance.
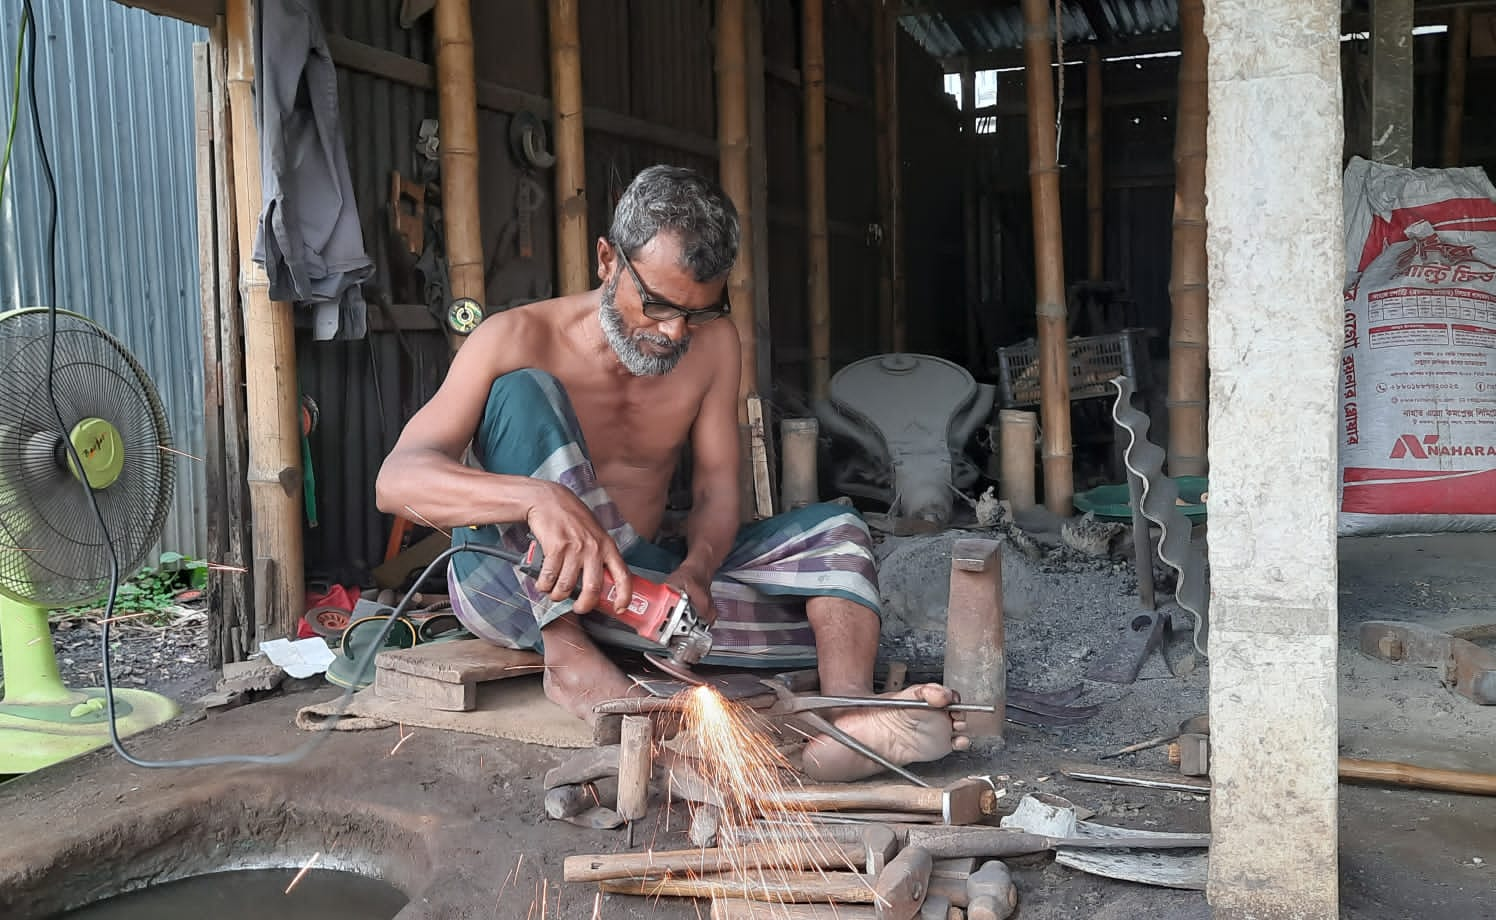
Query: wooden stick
{"type": "Point", "coordinates": [709, 861]}
{"type": "Point", "coordinates": [274, 409]}
{"type": "Point", "coordinates": [817, 258]}
{"type": "Point", "coordinates": [1405, 774]}
{"type": "Point", "coordinates": [790, 887]}
{"type": "Point", "coordinates": [732, 909]}
{"type": "Point", "coordinates": [571, 167]}
{"type": "Point", "coordinates": [238, 589]}
{"type": "Point", "coordinates": [457, 104]}
{"type": "Point", "coordinates": [1095, 177]}
{"type": "Point", "coordinates": [1454, 85]}
{"type": "Point", "coordinates": [635, 763]}
{"type": "Point", "coordinates": [207, 262]}
{"type": "Point", "coordinates": [973, 258]}
{"type": "Point", "coordinates": [1049, 261]}
{"type": "Point", "coordinates": [734, 168]}
{"type": "Point", "coordinates": [1188, 285]}
{"type": "Point", "coordinates": [886, 133]}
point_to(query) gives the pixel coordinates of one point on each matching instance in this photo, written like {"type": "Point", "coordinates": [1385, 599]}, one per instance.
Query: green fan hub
{"type": "Point", "coordinates": [101, 449]}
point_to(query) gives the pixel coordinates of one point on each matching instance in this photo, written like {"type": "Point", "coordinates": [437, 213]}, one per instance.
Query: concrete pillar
{"type": "Point", "coordinates": [1392, 82]}
{"type": "Point", "coordinates": [1276, 272]}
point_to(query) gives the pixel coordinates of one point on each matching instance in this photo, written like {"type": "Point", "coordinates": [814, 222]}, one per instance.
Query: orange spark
{"type": "Point", "coordinates": [304, 870]}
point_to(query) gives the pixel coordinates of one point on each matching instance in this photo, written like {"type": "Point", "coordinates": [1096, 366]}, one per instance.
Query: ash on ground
{"type": "Point", "coordinates": [1062, 608]}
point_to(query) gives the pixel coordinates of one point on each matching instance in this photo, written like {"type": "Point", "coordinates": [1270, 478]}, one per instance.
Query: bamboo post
{"type": "Point", "coordinates": [1188, 292]}
{"type": "Point", "coordinates": [274, 410]}
{"type": "Point", "coordinates": [884, 43]}
{"type": "Point", "coordinates": [734, 167]}
{"type": "Point", "coordinates": [457, 101]}
{"type": "Point", "coordinates": [969, 215]}
{"type": "Point", "coordinates": [1017, 432]}
{"type": "Point", "coordinates": [1095, 178]}
{"type": "Point", "coordinates": [895, 215]}
{"type": "Point", "coordinates": [817, 261]}
{"type": "Point", "coordinates": [571, 167]}
{"type": "Point", "coordinates": [1454, 88]}
{"type": "Point", "coordinates": [1049, 261]}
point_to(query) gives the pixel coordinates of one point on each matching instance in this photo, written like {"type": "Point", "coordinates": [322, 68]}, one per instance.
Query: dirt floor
{"type": "Point", "coordinates": [457, 818]}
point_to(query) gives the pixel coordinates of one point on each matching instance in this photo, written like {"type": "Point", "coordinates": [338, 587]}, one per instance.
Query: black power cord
{"type": "Point", "coordinates": [298, 753]}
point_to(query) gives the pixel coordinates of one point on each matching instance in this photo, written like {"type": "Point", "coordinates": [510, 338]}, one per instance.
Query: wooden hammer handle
{"type": "Point", "coordinates": [601, 867]}
{"type": "Point", "coordinates": [1406, 774]}
{"type": "Point", "coordinates": [796, 887]}
{"type": "Point", "coordinates": [859, 797]}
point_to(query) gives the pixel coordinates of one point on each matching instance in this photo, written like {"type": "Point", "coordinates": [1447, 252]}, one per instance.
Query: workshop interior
{"type": "Point", "coordinates": [1149, 347]}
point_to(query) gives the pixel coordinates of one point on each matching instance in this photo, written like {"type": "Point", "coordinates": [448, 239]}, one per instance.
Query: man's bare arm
{"type": "Point", "coordinates": [712, 525]}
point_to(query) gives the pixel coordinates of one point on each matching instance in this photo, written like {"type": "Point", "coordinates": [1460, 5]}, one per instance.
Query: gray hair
{"type": "Point", "coordinates": [687, 204]}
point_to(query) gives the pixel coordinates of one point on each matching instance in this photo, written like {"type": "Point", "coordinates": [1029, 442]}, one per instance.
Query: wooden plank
{"type": "Point", "coordinates": [390, 684]}
{"type": "Point", "coordinates": [763, 479]}
{"type": "Point", "coordinates": [462, 661]}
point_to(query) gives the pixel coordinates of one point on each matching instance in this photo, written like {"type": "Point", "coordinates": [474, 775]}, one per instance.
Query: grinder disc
{"type": "Point", "coordinates": [676, 671]}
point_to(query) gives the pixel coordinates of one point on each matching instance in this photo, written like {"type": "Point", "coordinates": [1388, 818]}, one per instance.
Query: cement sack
{"type": "Point", "coordinates": [1418, 369]}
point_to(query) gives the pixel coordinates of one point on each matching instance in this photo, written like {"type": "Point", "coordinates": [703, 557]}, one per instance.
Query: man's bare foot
{"type": "Point", "coordinates": [904, 736]}
{"type": "Point", "coordinates": [578, 675]}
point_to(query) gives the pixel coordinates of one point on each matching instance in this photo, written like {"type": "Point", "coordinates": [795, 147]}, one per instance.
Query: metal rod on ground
{"type": "Point", "coordinates": [1049, 261]}
{"type": "Point", "coordinates": [1017, 431]}
{"type": "Point", "coordinates": [572, 257]}
{"type": "Point", "coordinates": [635, 763]}
{"type": "Point", "coordinates": [457, 104]}
{"type": "Point", "coordinates": [1142, 543]}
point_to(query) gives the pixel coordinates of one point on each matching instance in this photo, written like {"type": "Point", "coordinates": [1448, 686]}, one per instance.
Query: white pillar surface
{"type": "Point", "coordinates": [1276, 273]}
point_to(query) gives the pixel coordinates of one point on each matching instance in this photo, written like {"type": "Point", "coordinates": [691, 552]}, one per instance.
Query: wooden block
{"type": "Point", "coordinates": [390, 684]}
{"type": "Point", "coordinates": [461, 661]}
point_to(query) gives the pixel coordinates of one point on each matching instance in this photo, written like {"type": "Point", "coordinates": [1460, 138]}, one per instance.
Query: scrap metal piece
{"type": "Point", "coordinates": [1176, 547]}
{"type": "Point", "coordinates": [1469, 668]}
{"type": "Point", "coordinates": [1121, 663]}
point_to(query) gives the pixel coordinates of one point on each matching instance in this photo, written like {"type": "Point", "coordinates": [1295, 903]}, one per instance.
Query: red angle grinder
{"type": "Point", "coordinates": [656, 612]}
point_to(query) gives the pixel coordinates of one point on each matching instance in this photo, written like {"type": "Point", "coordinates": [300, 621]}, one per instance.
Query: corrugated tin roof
{"type": "Point", "coordinates": [962, 30]}
{"type": "Point", "coordinates": [115, 90]}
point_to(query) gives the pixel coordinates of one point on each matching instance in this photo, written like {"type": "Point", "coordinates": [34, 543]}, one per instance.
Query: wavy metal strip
{"type": "Point", "coordinates": [1177, 546]}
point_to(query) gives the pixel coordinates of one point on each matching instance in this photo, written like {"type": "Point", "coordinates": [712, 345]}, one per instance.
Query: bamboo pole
{"type": "Point", "coordinates": [969, 215]}
{"type": "Point", "coordinates": [274, 411]}
{"type": "Point", "coordinates": [1095, 178]}
{"type": "Point", "coordinates": [817, 261]}
{"type": "Point", "coordinates": [1188, 284]}
{"type": "Point", "coordinates": [1049, 261]}
{"type": "Point", "coordinates": [886, 131]}
{"type": "Point", "coordinates": [1454, 88]}
{"type": "Point", "coordinates": [571, 168]}
{"type": "Point", "coordinates": [457, 101]}
{"type": "Point", "coordinates": [894, 231]}
{"type": "Point", "coordinates": [734, 167]}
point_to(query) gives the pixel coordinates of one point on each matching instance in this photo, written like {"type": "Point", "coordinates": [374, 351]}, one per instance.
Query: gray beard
{"type": "Point", "coordinates": [637, 361]}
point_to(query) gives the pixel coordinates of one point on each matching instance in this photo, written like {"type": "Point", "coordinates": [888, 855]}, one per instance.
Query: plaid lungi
{"type": "Point", "coordinates": [529, 429]}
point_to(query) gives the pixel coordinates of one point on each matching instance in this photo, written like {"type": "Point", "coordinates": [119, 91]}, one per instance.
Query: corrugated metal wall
{"type": "Point", "coordinates": [115, 90]}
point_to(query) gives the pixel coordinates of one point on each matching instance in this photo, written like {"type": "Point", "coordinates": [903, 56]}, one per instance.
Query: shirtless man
{"type": "Point", "coordinates": [577, 410]}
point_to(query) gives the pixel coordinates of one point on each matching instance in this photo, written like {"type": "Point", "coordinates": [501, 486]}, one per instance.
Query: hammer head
{"type": "Point", "coordinates": [966, 802]}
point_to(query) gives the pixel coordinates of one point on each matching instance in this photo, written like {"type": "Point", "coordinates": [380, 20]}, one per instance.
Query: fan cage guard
{"type": "Point", "coordinates": [52, 553]}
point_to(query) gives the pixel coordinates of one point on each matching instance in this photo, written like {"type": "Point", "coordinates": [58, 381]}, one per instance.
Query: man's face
{"type": "Point", "coordinates": [648, 324]}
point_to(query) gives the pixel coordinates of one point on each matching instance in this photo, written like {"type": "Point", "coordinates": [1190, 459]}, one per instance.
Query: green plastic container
{"type": "Point", "coordinates": [1110, 503]}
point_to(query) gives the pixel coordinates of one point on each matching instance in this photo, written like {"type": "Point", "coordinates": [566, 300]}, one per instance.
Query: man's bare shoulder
{"type": "Point", "coordinates": [523, 336]}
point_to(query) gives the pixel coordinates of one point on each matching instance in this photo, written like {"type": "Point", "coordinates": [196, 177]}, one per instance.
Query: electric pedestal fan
{"type": "Point", "coordinates": [52, 551]}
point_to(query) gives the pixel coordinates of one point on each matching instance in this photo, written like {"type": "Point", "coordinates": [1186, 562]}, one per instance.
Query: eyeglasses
{"type": "Point", "coordinates": [663, 311]}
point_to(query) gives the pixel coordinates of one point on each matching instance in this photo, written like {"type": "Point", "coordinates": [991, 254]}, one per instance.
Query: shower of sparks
{"type": "Point", "coordinates": [403, 738]}
{"type": "Point", "coordinates": [304, 870]}
{"type": "Point", "coordinates": [746, 768]}
{"type": "Point", "coordinates": [128, 616]}
{"type": "Point", "coordinates": [597, 906]}
{"type": "Point", "coordinates": [179, 453]}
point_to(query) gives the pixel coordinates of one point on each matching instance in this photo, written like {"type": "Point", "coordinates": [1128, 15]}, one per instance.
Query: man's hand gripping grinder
{"type": "Point", "coordinates": [657, 612]}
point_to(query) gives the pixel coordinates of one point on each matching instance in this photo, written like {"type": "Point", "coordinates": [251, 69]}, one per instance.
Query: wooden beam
{"type": "Point", "coordinates": [784, 73]}
{"type": "Point", "coordinates": [354, 55]}
{"type": "Point", "coordinates": [1454, 85]}
{"type": "Point", "coordinates": [1013, 58]}
{"type": "Point", "coordinates": [735, 171]}
{"type": "Point", "coordinates": [1188, 292]}
{"type": "Point", "coordinates": [198, 12]}
{"type": "Point", "coordinates": [1095, 169]}
{"type": "Point", "coordinates": [890, 176]}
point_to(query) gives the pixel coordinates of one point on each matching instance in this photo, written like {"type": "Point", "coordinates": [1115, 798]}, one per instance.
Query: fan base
{"type": "Point", "coordinates": [37, 736]}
